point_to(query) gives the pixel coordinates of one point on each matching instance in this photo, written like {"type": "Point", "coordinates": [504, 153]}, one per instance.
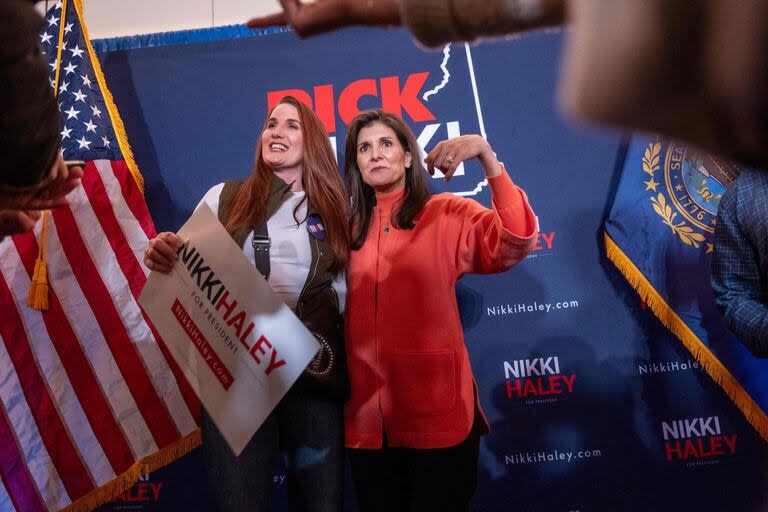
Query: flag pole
{"type": "Point", "coordinates": [37, 297]}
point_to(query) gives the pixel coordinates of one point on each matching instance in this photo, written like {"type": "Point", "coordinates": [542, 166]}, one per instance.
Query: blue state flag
{"type": "Point", "coordinates": [659, 235]}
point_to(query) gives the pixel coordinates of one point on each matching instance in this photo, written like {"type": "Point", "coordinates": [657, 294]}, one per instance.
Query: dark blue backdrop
{"type": "Point", "coordinates": [587, 437]}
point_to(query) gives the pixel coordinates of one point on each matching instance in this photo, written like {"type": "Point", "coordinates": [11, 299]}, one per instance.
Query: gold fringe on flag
{"type": "Point", "coordinates": [719, 373]}
{"type": "Point", "coordinates": [114, 116]}
{"type": "Point", "coordinates": [123, 482]}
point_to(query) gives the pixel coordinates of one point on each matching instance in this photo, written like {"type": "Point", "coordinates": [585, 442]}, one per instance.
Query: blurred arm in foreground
{"type": "Point", "coordinates": [695, 70]}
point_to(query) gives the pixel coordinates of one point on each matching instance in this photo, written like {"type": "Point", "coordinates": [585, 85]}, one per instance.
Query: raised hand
{"type": "Point", "coordinates": [50, 193]}
{"type": "Point", "coordinates": [14, 222]}
{"type": "Point", "coordinates": [448, 154]}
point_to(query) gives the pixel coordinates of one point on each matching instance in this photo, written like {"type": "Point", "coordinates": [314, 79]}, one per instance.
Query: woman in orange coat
{"type": "Point", "coordinates": [413, 421]}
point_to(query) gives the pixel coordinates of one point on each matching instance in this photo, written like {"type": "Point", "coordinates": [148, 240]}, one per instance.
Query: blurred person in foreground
{"type": "Point", "coordinates": [33, 174]}
{"type": "Point", "coordinates": [694, 70]}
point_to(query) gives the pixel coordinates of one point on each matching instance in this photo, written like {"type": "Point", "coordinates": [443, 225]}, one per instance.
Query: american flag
{"type": "Point", "coordinates": [91, 398]}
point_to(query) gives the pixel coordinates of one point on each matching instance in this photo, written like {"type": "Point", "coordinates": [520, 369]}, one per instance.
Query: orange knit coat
{"type": "Point", "coordinates": [409, 370]}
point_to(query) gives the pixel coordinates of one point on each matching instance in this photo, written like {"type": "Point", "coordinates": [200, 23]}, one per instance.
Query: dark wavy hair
{"type": "Point", "coordinates": [363, 197]}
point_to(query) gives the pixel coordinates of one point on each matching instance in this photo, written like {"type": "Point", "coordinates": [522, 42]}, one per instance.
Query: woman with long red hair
{"type": "Point", "coordinates": [290, 218]}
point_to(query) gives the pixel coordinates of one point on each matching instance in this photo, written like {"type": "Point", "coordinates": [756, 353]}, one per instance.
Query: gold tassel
{"type": "Point", "coordinates": [37, 298]}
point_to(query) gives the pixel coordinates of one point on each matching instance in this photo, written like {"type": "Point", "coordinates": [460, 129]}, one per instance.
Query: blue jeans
{"type": "Point", "coordinates": [308, 432]}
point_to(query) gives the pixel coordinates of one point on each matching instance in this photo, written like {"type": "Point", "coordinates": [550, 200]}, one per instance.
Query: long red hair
{"type": "Point", "coordinates": [320, 179]}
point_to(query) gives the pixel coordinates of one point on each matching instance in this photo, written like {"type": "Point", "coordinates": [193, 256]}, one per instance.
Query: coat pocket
{"type": "Point", "coordinates": [424, 383]}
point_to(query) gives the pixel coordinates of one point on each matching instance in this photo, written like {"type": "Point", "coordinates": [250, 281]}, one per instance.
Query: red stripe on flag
{"type": "Point", "coordinates": [187, 393]}
{"type": "Point", "coordinates": [14, 472]}
{"type": "Point", "coordinates": [102, 207]}
{"type": "Point", "coordinates": [133, 197]}
{"type": "Point", "coordinates": [54, 434]}
{"type": "Point", "coordinates": [129, 362]}
{"type": "Point", "coordinates": [100, 202]}
{"type": "Point", "coordinates": [84, 383]}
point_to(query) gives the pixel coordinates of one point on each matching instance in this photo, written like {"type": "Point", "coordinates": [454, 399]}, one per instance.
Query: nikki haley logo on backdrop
{"type": "Point", "coordinates": [697, 440]}
{"type": "Point", "coordinates": [551, 456]}
{"type": "Point", "coordinates": [144, 492]}
{"type": "Point", "coordinates": [538, 380]}
{"type": "Point", "coordinates": [658, 367]}
{"type": "Point", "coordinates": [545, 243]}
{"type": "Point", "coordinates": [439, 102]}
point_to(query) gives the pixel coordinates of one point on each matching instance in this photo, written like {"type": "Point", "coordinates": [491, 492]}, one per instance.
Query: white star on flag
{"type": "Point", "coordinates": [63, 87]}
{"type": "Point", "coordinates": [53, 65]}
{"type": "Point", "coordinates": [71, 113]}
{"type": "Point", "coordinates": [79, 96]}
{"type": "Point", "coordinates": [90, 127]}
{"type": "Point", "coordinates": [52, 21]}
{"type": "Point", "coordinates": [84, 143]}
{"type": "Point", "coordinates": [53, 84]}
{"type": "Point", "coordinates": [46, 38]}
{"type": "Point", "coordinates": [58, 5]}
{"type": "Point", "coordinates": [105, 140]}
{"type": "Point", "coordinates": [96, 111]}
{"type": "Point", "coordinates": [86, 80]}
{"type": "Point", "coordinates": [65, 133]}
{"type": "Point", "coordinates": [68, 28]}
{"type": "Point", "coordinates": [77, 52]}
{"type": "Point", "coordinates": [64, 46]}
{"type": "Point", "coordinates": [70, 68]}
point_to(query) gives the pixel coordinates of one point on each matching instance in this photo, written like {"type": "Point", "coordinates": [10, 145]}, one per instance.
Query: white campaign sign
{"type": "Point", "coordinates": [238, 344]}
